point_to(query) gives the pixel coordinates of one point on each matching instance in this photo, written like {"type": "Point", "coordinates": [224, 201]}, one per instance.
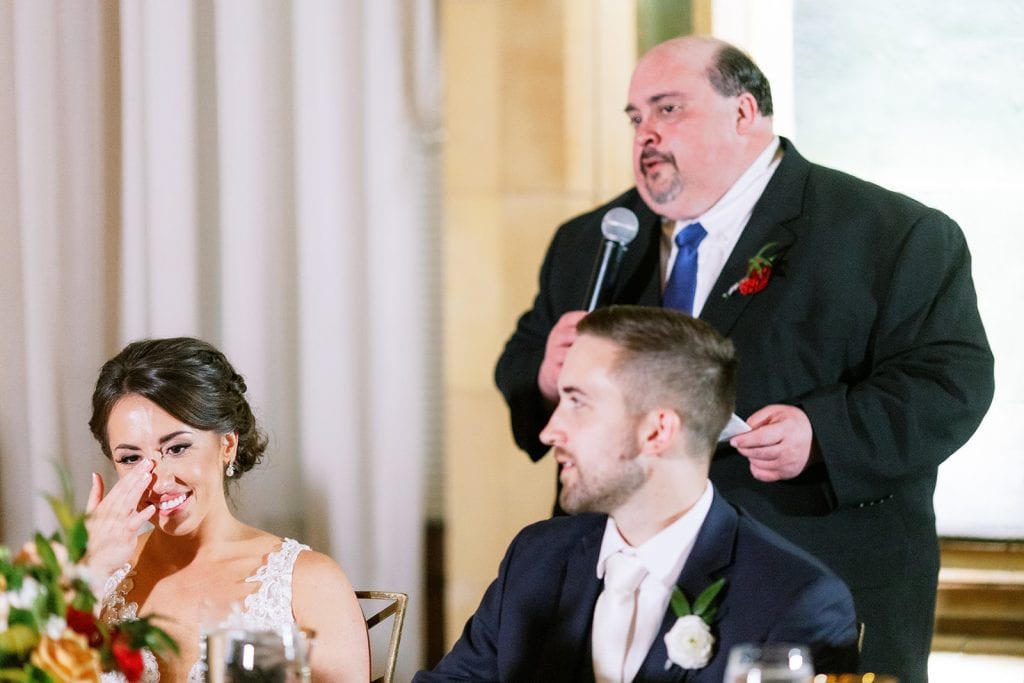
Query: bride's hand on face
{"type": "Point", "coordinates": [114, 520]}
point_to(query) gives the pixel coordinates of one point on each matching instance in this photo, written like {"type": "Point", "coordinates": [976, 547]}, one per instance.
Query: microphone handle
{"type": "Point", "coordinates": [604, 269]}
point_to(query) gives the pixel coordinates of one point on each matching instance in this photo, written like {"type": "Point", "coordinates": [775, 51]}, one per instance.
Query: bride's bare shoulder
{"type": "Point", "coordinates": [323, 600]}
{"type": "Point", "coordinates": [317, 575]}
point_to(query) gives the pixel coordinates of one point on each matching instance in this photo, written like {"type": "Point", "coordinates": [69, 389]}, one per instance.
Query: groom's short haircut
{"type": "Point", "coordinates": [668, 359]}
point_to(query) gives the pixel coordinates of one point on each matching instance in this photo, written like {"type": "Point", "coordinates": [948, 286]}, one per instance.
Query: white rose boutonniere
{"type": "Point", "coordinates": [690, 642]}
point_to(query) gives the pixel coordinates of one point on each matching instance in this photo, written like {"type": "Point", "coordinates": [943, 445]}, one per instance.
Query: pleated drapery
{"type": "Point", "coordinates": [258, 173]}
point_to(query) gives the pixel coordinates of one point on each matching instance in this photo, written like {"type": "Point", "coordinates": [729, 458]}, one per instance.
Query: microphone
{"type": "Point", "coordinates": [619, 227]}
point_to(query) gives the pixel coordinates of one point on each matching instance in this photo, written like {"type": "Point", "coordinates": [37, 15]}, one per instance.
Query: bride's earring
{"type": "Point", "coordinates": [230, 471]}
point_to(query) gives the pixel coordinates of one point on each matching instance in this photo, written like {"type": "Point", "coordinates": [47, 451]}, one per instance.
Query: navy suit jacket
{"type": "Point", "coordinates": [534, 621]}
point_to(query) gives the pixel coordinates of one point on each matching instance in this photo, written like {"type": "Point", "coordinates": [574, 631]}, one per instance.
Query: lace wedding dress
{"type": "Point", "coordinates": [270, 607]}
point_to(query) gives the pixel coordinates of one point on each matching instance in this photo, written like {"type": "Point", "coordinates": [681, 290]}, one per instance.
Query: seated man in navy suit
{"type": "Point", "coordinates": [643, 396]}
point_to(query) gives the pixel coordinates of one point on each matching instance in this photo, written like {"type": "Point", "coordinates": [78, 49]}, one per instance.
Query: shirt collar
{"type": "Point", "coordinates": [737, 198]}
{"type": "Point", "coordinates": [664, 553]}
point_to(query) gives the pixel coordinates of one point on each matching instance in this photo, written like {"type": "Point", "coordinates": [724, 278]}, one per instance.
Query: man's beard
{"type": "Point", "coordinates": [675, 183]}
{"type": "Point", "coordinates": [610, 490]}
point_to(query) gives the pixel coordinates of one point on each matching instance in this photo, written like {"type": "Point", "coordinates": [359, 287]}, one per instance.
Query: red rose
{"type": "Point", "coordinates": [759, 271]}
{"type": "Point", "coordinates": [85, 624]}
{"type": "Point", "coordinates": [129, 661]}
{"type": "Point", "coordinates": [756, 281]}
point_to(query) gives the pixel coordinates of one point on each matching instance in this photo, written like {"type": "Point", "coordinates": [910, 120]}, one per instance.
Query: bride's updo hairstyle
{"type": "Point", "coordinates": [188, 378]}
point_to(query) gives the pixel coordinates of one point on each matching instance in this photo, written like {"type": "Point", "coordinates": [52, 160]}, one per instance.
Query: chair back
{"type": "Point", "coordinates": [378, 607]}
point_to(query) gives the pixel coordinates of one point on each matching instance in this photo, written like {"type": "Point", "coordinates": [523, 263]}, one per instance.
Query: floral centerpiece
{"type": "Point", "coordinates": [49, 630]}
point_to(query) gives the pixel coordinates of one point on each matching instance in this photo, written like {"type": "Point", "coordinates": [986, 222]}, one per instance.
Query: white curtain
{"type": "Point", "coordinates": [259, 173]}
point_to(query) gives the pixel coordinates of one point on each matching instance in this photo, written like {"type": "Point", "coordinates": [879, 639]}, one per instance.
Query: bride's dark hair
{"type": "Point", "coordinates": [188, 378]}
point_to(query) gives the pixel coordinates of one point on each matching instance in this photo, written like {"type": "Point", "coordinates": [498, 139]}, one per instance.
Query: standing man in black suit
{"type": "Point", "coordinates": [645, 394]}
{"type": "Point", "coordinates": [863, 362]}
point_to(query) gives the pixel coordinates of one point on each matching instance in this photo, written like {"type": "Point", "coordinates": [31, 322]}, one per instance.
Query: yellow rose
{"type": "Point", "coordinates": [69, 659]}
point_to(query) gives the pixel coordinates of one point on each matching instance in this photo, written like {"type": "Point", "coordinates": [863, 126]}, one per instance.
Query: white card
{"type": "Point", "coordinates": [735, 426]}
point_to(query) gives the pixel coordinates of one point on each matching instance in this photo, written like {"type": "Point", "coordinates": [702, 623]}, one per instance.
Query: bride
{"type": "Point", "coordinates": [173, 417]}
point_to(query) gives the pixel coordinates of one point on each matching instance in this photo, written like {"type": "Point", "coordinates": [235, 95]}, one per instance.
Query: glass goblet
{"type": "Point", "coordinates": [769, 663]}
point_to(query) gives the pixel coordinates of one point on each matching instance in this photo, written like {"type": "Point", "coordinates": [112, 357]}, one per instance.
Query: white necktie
{"type": "Point", "coordinates": [615, 616]}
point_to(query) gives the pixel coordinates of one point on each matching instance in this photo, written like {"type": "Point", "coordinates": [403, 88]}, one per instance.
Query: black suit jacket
{"type": "Point", "coordinates": [534, 622]}
{"type": "Point", "coordinates": [869, 324]}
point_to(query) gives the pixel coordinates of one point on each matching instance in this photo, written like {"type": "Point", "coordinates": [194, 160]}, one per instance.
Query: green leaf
{"type": "Point", "coordinates": [83, 599]}
{"type": "Point", "coordinates": [48, 557]}
{"type": "Point", "coordinates": [704, 600]}
{"type": "Point", "coordinates": [77, 539]}
{"type": "Point", "coordinates": [13, 676]}
{"type": "Point", "coordinates": [22, 616]}
{"type": "Point", "coordinates": [64, 506]}
{"type": "Point", "coordinates": [41, 607]}
{"type": "Point", "coordinates": [15, 577]}
{"type": "Point", "coordinates": [18, 639]}
{"type": "Point", "coordinates": [680, 605]}
{"type": "Point", "coordinates": [159, 642]}
{"type": "Point", "coordinates": [62, 511]}
{"type": "Point", "coordinates": [70, 519]}
{"type": "Point", "coordinates": [142, 633]}
{"type": "Point", "coordinates": [37, 675]}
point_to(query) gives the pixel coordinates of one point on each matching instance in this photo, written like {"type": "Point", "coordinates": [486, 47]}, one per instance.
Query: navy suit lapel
{"type": "Point", "coordinates": [574, 615]}
{"type": "Point", "coordinates": [712, 552]}
{"type": "Point", "coordinates": [773, 220]}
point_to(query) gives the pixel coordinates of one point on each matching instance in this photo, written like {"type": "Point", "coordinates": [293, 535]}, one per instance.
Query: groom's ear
{"type": "Point", "coordinates": [658, 432]}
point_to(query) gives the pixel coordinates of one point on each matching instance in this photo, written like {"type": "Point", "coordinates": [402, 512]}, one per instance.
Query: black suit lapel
{"type": "Point", "coordinates": [566, 651]}
{"type": "Point", "coordinates": [773, 220]}
{"type": "Point", "coordinates": [639, 280]}
{"type": "Point", "coordinates": [712, 552]}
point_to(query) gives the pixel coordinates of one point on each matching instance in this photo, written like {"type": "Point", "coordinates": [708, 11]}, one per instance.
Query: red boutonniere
{"type": "Point", "coordinates": [759, 271]}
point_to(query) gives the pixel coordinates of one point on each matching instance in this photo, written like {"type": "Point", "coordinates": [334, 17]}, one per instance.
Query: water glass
{"type": "Point", "coordinates": [769, 663]}
{"type": "Point", "coordinates": [239, 655]}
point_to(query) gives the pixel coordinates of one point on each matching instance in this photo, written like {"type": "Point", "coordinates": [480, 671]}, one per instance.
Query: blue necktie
{"type": "Point", "coordinates": [682, 282]}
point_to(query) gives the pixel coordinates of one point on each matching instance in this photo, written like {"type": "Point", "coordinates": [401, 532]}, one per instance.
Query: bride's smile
{"type": "Point", "coordinates": [169, 506]}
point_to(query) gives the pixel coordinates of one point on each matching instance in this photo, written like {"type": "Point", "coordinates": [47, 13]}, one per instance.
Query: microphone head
{"type": "Point", "coordinates": [620, 225]}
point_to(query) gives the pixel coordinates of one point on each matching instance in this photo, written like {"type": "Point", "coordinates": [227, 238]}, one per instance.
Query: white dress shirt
{"type": "Point", "coordinates": [664, 555]}
{"type": "Point", "coordinates": [724, 223]}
